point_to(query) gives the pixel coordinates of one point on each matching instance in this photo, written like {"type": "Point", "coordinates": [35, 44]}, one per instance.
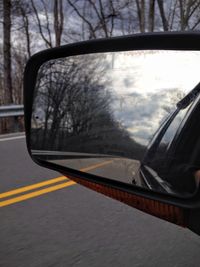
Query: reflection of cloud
{"type": "Point", "coordinates": [146, 86]}
{"type": "Point", "coordinates": [151, 70]}
{"type": "Point", "coordinates": [141, 115]}
{"type": "Point", "coordinates": [128, 82]}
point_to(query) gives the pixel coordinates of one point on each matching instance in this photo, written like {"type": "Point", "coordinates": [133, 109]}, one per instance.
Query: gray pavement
{"type": "Point", "coordinates": [75, 226]}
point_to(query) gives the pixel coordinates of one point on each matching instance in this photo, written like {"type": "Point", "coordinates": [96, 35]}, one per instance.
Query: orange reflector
{"type": "Point", "coordinates": [164, 211]}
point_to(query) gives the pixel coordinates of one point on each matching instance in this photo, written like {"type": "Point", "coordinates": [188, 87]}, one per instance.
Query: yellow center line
{"type": "Point", "coordinates": [45, 190]}
{"type": "Point", "coordinates": [31, 187]}
{"type": "Point", "coordinates": [35, 194]}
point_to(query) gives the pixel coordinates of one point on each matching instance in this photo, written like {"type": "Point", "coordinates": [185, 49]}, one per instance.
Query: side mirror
{"type": "Point", "coordinates": [121, 116]}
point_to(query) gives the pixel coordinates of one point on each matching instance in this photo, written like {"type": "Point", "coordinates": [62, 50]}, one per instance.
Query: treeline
{"type": "Point", "coordinates": [28, 26]}
{"type": "Point", "coordinates": [76, 113]}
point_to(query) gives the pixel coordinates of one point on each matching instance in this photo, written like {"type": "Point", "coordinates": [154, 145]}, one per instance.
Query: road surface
{"type": "Point", "coordinates": [44, 223]}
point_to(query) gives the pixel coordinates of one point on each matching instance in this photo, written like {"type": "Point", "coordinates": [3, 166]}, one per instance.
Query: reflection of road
{"type": "Point", "coordinates": [120, 169]}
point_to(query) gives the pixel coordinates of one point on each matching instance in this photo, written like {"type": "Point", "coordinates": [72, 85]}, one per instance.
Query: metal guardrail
{"type": "Point", "coordinates": [11, 111]}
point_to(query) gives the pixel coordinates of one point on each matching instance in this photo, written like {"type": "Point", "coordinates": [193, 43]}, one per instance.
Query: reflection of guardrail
{"type": "Point", "coordinates": [11, 111]}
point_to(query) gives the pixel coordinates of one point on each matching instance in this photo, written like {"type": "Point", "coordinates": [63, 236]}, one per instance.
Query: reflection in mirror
{"type": "Point", "coordinates": [128, 116]}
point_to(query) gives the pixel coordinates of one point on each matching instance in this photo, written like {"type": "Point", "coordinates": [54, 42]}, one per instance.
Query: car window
{"type": "Point", "coordinates": [166, 160]}
{"type": "Point", "coordinates": [171, 131]}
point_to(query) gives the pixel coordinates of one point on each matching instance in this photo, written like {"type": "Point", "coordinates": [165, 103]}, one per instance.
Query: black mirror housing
{"type": "Point", "coordinates": [181, 211]}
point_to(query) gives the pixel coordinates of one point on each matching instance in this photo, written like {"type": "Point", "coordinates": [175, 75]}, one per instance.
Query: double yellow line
{"type": "Point", "coordinates": [42, 184]}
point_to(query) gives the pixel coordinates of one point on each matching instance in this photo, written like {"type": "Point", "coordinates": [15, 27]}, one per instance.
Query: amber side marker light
{"type": "Point", "coordinates": [164, 211]}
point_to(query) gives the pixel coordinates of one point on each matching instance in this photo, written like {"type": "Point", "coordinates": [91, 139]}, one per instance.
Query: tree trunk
{"type": "Point", "coordinates": [26, 28]}
{"type": "Point", "coordinates": [141, 14]}
{"type": "Point", "coordinates": [7, 79]}
{"type": "Point", "coordinates": [162, 14]}
{"type": "Point", "coordinates": [151, 15]}
{"type": "Point", "coordinates": [58, 21]}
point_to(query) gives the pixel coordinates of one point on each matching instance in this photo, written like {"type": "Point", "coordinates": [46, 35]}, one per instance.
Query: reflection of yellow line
{"type": "Point", "coordinates": [45, 190]}
{"type": "Point", "coordinates": [30, 187]}
{"type": "Point", "coordinates": [35, 194]}
{"type": "Point", "coordinates": [96, 166]}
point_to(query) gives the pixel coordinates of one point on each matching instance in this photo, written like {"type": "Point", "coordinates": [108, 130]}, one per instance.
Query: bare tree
{"type": "Point", "coordinates": [8, 98]}
{"type": "Point", "coordinates": [99, 18]}
{"type": "Point", "coordinates": [141, 14]}
{"type": "Point", "coordinates": [146, 15]}
{"type": "Point", "coordinates": [151, 15]}
{"type": "Point", "coordinates": [58, 21]}
{"type": "Point", "coordinates": [25, 11]}
{"type": "Point", "coordinates": [52, 22]}
{"type": "Point", "coordinates": [44, 29]}
{"type": "Point", "coordinates": [187, 9]}
{"type": "Point", "coordinates": [63, 89]}
{"type": "Point", "coordinates": [163, 15]}
{"type": "Point", "coordinates": [1, 76]}
{"type": "Point", "coordinates": [179, 14]}
{"type": "Point", "coordinates": [19, 61]}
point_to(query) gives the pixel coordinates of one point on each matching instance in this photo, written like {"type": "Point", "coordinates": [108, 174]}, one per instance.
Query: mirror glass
{"type": "Point", "coordinates": [129, 116]}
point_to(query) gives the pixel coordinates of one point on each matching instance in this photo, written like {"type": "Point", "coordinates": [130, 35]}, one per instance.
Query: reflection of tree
{"type": "Point", "coordinates": [76, 111]}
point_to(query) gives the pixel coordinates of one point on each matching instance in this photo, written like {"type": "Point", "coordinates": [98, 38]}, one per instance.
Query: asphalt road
{"type": "Point", "coordinates": [74, 226]}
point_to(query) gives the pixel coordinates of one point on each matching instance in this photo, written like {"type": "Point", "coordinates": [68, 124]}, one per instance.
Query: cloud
{"type": "Point", "coordinates": [142, 115]}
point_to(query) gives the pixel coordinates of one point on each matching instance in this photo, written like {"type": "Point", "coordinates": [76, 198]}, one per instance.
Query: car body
{"type": "Point", "coordinates": [166, 150]}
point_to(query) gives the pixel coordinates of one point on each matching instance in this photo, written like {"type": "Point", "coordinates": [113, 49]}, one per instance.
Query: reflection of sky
{"type": "Point", "coordinates": [151, 71]}
{"type": "Point", "coordinates": [147, 84]}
